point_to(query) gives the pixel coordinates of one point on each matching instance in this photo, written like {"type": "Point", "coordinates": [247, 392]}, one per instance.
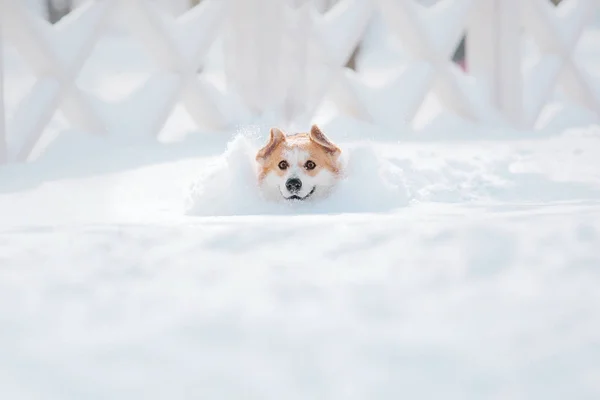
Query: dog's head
{"type": "Point", "coordinates": [299, 166]}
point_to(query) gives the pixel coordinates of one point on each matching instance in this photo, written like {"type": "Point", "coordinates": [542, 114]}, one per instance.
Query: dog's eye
{"type": "Point", "coordinates": [283, 164]}
{"type": "Point", "coordinates": [310, 165]}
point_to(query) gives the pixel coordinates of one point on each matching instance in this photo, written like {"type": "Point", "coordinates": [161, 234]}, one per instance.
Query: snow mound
{"type": "Point", "coordinates": [228, 186]}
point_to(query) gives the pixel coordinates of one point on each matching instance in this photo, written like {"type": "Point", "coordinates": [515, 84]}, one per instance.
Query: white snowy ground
{"type": "Point", "coordinates": [458, 268]}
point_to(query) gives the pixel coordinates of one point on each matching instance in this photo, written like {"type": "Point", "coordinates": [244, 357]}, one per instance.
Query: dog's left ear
{"type": "Point", "coordinates": [317, 136]}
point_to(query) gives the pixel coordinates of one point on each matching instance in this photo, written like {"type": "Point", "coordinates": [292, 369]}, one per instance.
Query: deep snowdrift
{"type": "Point", "coordinates": [228, 186]}
{"type": "Point", "coordinates": [85, 182]}
{"type": "Point", "coordinates": [381, 177]}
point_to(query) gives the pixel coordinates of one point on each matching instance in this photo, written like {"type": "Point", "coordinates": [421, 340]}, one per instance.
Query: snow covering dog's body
{"type": "Point", "coordinates": [301, 166]}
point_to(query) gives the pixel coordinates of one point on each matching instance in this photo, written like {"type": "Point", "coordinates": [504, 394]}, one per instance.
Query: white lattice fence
{"type": "Point", "coordinates": [57, 53]}
{"type": "Point", "coordinates": [284, 57]}
{"type": "Point", "coordinates": [557, 32]}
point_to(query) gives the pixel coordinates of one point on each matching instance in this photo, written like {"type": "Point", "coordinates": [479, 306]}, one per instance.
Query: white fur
{"type": "Point", "coordinates": [273, 185]}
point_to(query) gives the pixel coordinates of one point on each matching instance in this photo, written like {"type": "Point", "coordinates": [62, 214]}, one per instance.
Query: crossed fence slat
{"type": "Point", "coordinates": [56, 73]}
{"type": "Point", "coordinates": [156, 34]}
{"type": "Point", "coordinates": [298, 66]}
{"type": "Point", "coordinates": [557, 36]}
{"type": "Point", "coordinates": [299, 60]}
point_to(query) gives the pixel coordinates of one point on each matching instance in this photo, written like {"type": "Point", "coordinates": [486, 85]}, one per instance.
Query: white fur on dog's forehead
{"type": "Point", "coordinates": [296, 155]}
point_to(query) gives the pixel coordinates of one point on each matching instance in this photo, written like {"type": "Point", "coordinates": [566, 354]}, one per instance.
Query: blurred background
{"type": "Point", "coordinates": [404, 70]}
{"type": "Point", "coordinates": [54, 10]}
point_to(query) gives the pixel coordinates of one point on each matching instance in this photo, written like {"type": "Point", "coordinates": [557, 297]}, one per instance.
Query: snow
{"type": "Point", "coordinates": [454, 261]}
{"type": "Point", "coordinates": [485, 285]}
{"type": "Point", "coordinates": [369, 184]}
{"type": "Point", "coordinates": [434, 301]}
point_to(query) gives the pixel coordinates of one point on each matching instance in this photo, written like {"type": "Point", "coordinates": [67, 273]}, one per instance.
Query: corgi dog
{"type": "Point", "coordinates": [299, 167]}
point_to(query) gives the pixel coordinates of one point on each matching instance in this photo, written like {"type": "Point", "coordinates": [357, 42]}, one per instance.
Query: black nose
{"type": "Point", "coordinates": [293, 185]}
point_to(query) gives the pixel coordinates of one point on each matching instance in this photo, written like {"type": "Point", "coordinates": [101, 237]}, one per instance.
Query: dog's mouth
{"type": "Point", "coordinates": [296, 197]}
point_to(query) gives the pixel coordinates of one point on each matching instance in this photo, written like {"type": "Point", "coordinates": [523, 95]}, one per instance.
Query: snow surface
{"type": "Point", "coordinates": [455, 262]}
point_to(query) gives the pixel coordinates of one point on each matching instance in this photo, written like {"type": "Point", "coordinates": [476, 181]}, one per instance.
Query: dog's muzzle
{"type": "Point", "coordinates": [296, 197]}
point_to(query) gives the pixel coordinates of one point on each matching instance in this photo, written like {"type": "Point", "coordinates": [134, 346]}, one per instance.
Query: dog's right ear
{"type": "Point", "coordinates": [277, 137]}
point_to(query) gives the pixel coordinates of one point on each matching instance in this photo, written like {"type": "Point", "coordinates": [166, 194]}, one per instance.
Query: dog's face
{"type": "Point", "coordinates": [298, 167]}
